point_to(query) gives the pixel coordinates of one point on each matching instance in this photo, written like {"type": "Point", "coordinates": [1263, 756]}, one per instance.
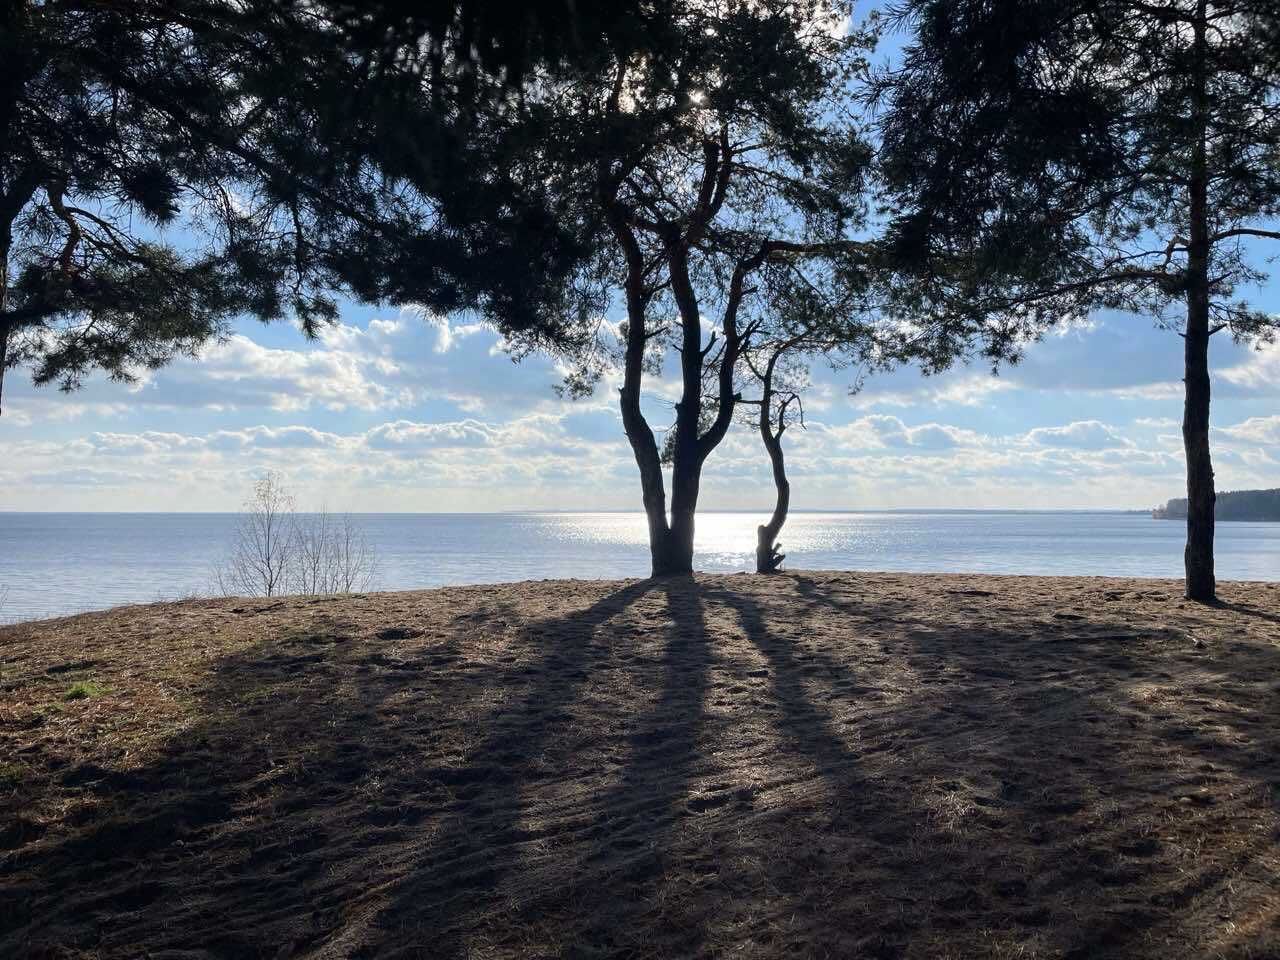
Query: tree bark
{"type": "Point", "coordinates": [1198, 556]}
{"type": "Point", "coordinates": [639, 434]}
{"type": "Point", "coordinates": [1201, 496]}
{"type": "Point", "coordinates": [768, 555]}
{"type": "Point", "coordinates": [686, 461]}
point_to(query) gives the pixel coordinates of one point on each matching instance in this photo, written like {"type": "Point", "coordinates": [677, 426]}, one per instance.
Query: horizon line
{"type": "Point", "coordinates": [532, 510]}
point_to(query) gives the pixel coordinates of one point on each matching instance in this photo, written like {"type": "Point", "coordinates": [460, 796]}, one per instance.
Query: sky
{"type": "Point", "coordinates": [396, 411]}
{"type": "Point", "coordinates": [392, 410]}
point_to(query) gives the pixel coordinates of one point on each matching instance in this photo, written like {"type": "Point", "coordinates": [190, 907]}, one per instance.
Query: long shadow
{"type": "Point", "coordinates": [1248, 611]}
{"type": "Point", "coordinates": [482, 840]}
{"type": "Point", "coordinates": [640, 820]}
{"type": "Point", "coordinates": [1100, 821]}
{"type": "Point", "coordinates": [839, 811]}
{"type": "Point", "coordinates": [605, 782]}
{"type": "Point", "coordinates": [222, 842]}
{"type": "Point", "coordinates": [615, 825]}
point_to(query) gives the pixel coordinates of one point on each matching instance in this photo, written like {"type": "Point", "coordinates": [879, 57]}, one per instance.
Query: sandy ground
{"type": "Point", "coordinates": [813, 764]}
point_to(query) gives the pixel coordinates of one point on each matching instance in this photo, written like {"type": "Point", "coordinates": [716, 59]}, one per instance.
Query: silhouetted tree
{"type": "Point", "coordinates": [170, 164]}
{"type": "Point", "coordinates": [828, 315]}
{"type": "Point", "coordinates": [706, 145]}
{"type": "Point", "coordinates": [776, 406]}
{"type": "Point", "coordinates": [1053, 156]}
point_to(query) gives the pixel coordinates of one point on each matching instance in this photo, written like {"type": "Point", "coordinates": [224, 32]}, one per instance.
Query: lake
{"type": "Point", "coordinates": [60, 563]}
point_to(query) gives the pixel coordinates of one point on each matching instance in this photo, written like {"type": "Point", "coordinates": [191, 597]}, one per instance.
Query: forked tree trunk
{"type": "Point", "coordinates": [671, 539]}
{"type": "Point", "coordinates": [1198, 557]}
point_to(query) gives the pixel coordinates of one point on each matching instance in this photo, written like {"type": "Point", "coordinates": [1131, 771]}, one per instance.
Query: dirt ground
{"type": "Point", "coordinates": [813, 764]}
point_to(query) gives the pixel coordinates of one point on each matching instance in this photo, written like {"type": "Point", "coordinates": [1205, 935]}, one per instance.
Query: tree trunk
{"type": "Point", "coordinates": [687, 458]}
{"type": "Point", "coordinates": [1195, 439]}
{"type": "Point", "coordinates": [686, 479]}
{"type": "Point", "coordinates": [675, 557]}
{"type": "Point", "coordinates": [644, 445]}
{"type": "Point", "coordinates": [645, 449]}
{"type": "Point", "coordinates": [1198, 557]}
{"type": "Point", "coordinates": [768, 557]}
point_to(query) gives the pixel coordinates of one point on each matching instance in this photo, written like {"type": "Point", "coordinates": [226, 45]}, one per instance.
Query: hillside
{"type": "Point", "coordinates": [1258, 505]}
{"type": "Point", "coordinates": [809, 765]}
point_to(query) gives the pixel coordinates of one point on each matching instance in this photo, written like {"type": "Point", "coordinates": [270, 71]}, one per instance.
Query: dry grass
{"type": "Point", "coordinates": [813, 764]}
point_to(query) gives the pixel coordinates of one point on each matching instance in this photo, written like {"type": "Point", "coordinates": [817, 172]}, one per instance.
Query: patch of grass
{"type": "Point", "coordinates": [83, 690]}
{"type": "Point", "coordinates": [12, 774]}
{"type": "Point", "coordinates": [256, 694]}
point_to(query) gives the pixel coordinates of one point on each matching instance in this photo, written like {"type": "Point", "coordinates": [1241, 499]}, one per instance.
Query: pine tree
{"type": "Point", "coordinates": [168, 166]}
{"type": "Point", "coordinates": [1048, 158]}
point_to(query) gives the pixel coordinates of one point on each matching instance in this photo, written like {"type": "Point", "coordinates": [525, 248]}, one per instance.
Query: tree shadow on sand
{"type": "Point", "coordinates": [326, 773]}
{"type": "Point", "coordinates": [1082, 763]}
{"type": "Point", "coordinates": [764, 766]}
{"type": "Point", "coordinates": [598, 823]}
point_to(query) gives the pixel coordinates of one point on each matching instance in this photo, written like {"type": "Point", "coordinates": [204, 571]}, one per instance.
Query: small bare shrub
{"type": "Point", "coordinates": [278, 550]}
{"type": "Point", "coordinates": [331, 555]}
{"type": "Point", "coordinates": [264, 543]}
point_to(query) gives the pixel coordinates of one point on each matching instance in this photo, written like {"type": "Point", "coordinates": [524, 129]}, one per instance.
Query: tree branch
{"type": "Point", "coordinates": [1245, 232]}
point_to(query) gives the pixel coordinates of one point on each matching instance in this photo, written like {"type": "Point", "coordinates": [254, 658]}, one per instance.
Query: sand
{"type": "Point", "coordinates": [813, 764]}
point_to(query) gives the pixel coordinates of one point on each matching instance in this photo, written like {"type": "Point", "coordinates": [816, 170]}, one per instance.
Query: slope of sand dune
{"type": "Point", "coordinates": [814, 764]}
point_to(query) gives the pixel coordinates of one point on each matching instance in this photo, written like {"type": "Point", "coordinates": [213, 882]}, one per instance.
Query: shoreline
{"type": "Point", "coordinates": [55, 565]}
{"type": "Point", "coordinates": [1172, 582]}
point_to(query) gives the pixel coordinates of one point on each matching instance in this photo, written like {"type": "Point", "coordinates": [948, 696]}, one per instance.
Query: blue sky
{"type": "Point", "coordinates": [395, 411]}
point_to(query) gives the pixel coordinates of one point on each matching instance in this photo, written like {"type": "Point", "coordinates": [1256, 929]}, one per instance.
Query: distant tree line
{"type": "Point", "coordinates": [1261, 505]}
{"type": "Point", "coordinates": [729, 188]}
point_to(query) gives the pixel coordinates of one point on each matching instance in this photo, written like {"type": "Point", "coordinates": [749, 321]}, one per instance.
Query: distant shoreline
{"type": "Point", "coordinates": [1244, 506]}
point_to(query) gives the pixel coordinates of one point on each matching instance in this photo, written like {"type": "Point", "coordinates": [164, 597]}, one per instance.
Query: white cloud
{"type": "Point", "coordinates": [278, 438]}
{"type": "Point", "coordinates": [241, 373]}
{"type": "Point", "coordinates": [448, 335]}
{"type": "Point", "coordinates": [1259, 373]}
{"type": "Point", "coordinates": [391, 364]}
{"type": "Point", "coordinates": [84, 477]}
{"type": "Point", "coordinates": [150, 442]}
{"type": "Point", "coordinates": [892, 432]}
{"type": "Point", "coordinates": [578, 458]}
{"type": "Point", "coordinates": [1258, 430]}
{"type": "Point", "coordinates": [1082, 435]}
{"type": "Point", "coordinates": [405, 434]}
{"type": "Point", "coordinates": [954, 390]}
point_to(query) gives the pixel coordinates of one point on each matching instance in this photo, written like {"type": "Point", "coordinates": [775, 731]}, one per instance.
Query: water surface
{"type": "Point", "coordinates": [58, 563]}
